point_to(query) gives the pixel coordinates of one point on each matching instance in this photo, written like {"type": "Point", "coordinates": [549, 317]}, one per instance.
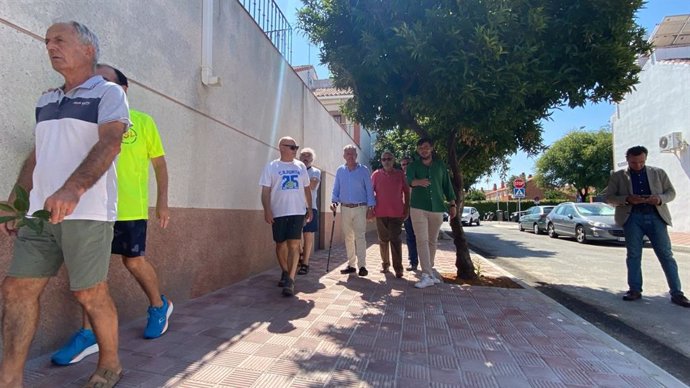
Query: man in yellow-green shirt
{"type": "Point", "coordinates": [141, 145]}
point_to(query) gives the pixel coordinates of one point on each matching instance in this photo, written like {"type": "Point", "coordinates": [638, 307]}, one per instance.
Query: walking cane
{"type": "Point", "coordinates": [328, 261]}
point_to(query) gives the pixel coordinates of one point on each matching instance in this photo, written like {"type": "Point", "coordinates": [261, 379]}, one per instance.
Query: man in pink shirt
{"type": "Point", "coordinates": [392, 208]}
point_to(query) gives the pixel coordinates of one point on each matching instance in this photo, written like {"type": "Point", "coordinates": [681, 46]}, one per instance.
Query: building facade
{"type": "Point", "coordinates": [657, 115]}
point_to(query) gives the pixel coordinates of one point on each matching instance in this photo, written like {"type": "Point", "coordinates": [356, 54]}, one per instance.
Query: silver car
{"type": "Point", "coordinates": [535, 219]}
{"type": "Point", "coordinates": [584, 221]}
{"type": "Point", "coordinates": [470, 216]}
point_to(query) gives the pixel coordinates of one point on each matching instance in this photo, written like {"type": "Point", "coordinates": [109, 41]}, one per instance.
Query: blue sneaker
{"type": "Point", "coordinates": [158, 319]}
{"type": "Point", "coordinates": [82, 344]}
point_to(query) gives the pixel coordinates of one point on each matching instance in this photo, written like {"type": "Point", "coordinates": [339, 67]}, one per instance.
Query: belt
{"type": "Point", "coordinates": [351, 205]}
{"type": "Point", "coordinates": [644, 209]}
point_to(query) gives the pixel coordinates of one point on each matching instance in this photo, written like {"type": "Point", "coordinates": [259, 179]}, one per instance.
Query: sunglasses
{"type": "Point", "coordinates": [290, 146]}
{"type": "Point", "coordinates": [386, 159]}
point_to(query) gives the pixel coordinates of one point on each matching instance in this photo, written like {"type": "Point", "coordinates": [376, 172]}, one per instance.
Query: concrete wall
{"type": "Point", "coordinates": [658, 107]}
{"type": "Point", "coordinates": [217, 138]}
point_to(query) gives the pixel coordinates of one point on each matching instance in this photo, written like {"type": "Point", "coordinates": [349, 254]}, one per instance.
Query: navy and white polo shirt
{"type": "Point", "coordinates": [66, 130]}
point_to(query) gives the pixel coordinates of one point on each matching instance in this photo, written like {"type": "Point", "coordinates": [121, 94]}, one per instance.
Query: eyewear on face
{"type": "Point", "coordinates": [290, 146]}
{"type": "Point", "coordinates": [386, 159]}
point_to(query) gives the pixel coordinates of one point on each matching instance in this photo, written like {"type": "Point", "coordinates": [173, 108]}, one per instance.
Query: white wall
{"type": "Point", "coordinates": [660, 105]}
{"type": "Point", "coordinates": [217, 138]}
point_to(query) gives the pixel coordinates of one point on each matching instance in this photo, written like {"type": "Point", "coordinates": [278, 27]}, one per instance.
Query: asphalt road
{"type": "Point", "coordinates": [590, 279]}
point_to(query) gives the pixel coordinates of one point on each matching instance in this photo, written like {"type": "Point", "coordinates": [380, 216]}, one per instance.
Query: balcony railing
{"type": "Point", "coordinates": [273, 23]}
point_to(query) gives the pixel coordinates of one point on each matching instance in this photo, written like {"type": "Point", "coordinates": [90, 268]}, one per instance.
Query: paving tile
{"type": "Point", "coordinates": [573, 377]}
{"type": "Point", "coordinates": [211, 373]}
{"type": "Point", "coordinates": [346, 331]}
{"type": "Point", "coordinates": [195, 384]}
{"type": "Point", "coordinates": [241, 378]}
{"type": "Point", "coordinates": [268, 380]}
{"type": "Point", "coordinates": [479, 380]}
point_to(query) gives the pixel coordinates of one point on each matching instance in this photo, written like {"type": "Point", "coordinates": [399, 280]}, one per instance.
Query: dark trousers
{"type": "Point", "coordinates": [390, 243]}
{"type": "Point", "coordinates": [411, 242]}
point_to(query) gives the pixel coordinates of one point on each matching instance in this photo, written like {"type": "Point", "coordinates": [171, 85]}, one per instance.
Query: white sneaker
{"type": "Point", "coordinates": [426, 281]}
{"type": "Point", "coordinates": [436, 273]}
{"type": "Point", "coordinates": [436, 280]}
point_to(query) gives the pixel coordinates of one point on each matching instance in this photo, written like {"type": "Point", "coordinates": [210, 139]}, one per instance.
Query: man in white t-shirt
{"type": "Point", "coordinates": [285, 194]}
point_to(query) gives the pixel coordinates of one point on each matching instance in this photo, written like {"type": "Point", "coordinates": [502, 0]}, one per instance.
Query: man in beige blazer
{"type": "Point", "coordinates": [640, 194]}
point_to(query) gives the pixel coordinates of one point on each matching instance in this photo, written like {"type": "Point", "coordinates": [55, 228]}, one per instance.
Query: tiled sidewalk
{"type": "Point", "coordinates": [347, 331]}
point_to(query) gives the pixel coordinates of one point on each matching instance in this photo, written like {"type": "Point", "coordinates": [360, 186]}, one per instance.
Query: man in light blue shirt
{"type": "Point", "coordinates": [353, 190]}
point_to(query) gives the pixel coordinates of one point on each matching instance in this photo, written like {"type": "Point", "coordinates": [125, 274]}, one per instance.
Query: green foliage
{"type": "Point", "coordinates": [490, 206]}
{"type": "Point", "coordinates": [555, 195]}
{"type": "Point", "coordinates": [19, 209]}
{"type": "Point", "coordinates": [400, 142]}
{"type": "Point", "coordinates": [484, 71]}
{"type": "Point", "coordinates": [582, 159]}
{"type": "Point", "coordinates": [475, 195]}
{"type": "Point", "coordinates": [476, 76]}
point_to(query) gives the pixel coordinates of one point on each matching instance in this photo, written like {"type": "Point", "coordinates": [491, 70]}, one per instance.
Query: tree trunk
{"type": "Point", "coordinates": [463, 261]}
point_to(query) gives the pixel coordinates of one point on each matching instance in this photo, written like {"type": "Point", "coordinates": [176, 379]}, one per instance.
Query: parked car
{"type": "Point", "coordinates": [515, 216]}
{"type": "Point", "coordinates": [535, 219]}
{"type": "Point", "coordinates": [470, 215]}
{"type": "Point", "coordinates": [584, 221]}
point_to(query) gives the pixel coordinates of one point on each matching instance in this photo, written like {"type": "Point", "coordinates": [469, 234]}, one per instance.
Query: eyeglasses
{"type": "Point", "coordinates": [386, 159]}
{"type": "Point", "coordinates": [290, 146]}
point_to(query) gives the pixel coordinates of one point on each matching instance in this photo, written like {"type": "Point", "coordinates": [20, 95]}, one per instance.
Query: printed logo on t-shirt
{"type": "Point", "coordinates": [289, 179]}
{"type": "Point", "coordinates": [130, 136]}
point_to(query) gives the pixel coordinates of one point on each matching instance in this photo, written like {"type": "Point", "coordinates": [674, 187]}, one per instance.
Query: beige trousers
{"type": "Point", "coordinates": [426, 226]}
{"type": "Point", "coordinates": [354, 227]}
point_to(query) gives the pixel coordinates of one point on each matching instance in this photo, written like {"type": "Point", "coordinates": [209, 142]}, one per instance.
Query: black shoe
{"type": "Point", "coordinates": [412, 268]}
{"type": "Point", "coordinates": [398, 274]}
{"type": "Point", "coordinates": [283, 277]}
{"type": "Point", "coordinates": [384, 270]}
{"type": "Point", "coordinates": [303, 269]}
{"type": "Point", "coordinates": [363, 271]}
{"type": "Point", "coordinates": [632, 295]}
{"type": "Point", "coordinates": [289, 288]}
{"type": "Point", "coordinates": [680, 300]}
{"type": "Point", "coordinates": [348, 269]}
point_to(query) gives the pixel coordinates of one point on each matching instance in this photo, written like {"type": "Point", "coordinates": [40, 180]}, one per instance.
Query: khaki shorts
{"type": "Point", "coordinates": [83, 245]}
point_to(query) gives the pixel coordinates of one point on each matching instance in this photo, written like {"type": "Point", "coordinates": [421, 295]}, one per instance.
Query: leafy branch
{"type": "Point", "coordinates": [19, 209]}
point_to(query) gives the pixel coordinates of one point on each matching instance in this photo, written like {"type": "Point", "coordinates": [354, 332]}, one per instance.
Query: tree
{"type": "Point", "coordinates": [475, 75]}
{"type": "Point", "coordinates": [475, 195]}
{"type": "Point", "coordinates": [582, 159]}
{"type": "Point", "coordinates": [400, 142]}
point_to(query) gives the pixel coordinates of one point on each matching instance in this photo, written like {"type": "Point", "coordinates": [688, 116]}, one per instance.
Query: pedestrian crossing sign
{"type": "Point", "coordinates": [519, 193]}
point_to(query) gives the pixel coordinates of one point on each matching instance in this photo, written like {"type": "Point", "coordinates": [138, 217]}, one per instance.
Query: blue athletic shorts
{"type": "Point", "coordinates": [313, 225]}
{"type": "Point", "coordinates": [129, 238]}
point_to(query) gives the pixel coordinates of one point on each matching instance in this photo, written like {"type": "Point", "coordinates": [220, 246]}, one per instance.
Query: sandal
{"type": "Point", "coordinates": [303, 269]}
{"type": "Point", "coordinates": [103, 378]}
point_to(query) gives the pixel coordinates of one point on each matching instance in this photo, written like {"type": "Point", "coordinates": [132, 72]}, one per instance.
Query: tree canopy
{"type": "Point", "coordinates": [475, 75]}
{"type": "Point", "coordinates": [400, 142]}
{"type": "Point", "coordinates": [581, 159]}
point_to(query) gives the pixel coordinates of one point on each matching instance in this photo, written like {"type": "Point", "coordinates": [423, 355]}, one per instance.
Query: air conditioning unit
{"type": "Point", "coordinates": [671, 142]}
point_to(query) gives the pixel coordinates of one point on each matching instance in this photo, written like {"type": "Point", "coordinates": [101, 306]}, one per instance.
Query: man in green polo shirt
{"type": "Point", "coordinates": [431, 189]}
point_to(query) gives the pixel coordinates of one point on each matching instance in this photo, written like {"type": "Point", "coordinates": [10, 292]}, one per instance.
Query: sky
{"type": "Point", "coordinates": [590, 117]}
